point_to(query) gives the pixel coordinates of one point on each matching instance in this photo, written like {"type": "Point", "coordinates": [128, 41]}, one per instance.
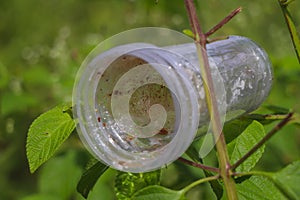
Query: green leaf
{"type": "Point", "coordinates": [215, 185]}
{"type": "Point", "coordinates": [90, 177]}
{"type": "Point", "coordinates": [232, 129]}
{"type": "Point", "coordinates": [235, 127]}
{"type": "Point", "coordinates": [243, 143]}
{"type": "Point", "coordinates": [277, 109]}
{"type": "Point", "coordinates": [158, 193]}
{"type": "Point", "coordinates": [193, 153]}
{"type": "Point", "coordinates": [60, 175]}
{"type": "Point", "coordinates": [126, 184]}
{"type": "Point", "coordinates": [193, 150]}
{"type": "Point", "coordinates": [291, 26]}
{"type": "Point", "coordinates": [189, 33]}
{"type": "Point", "coordinates": [288, 180]}
{"type": "Point", "coordinates": [265, 119]}
{"type": "Point", "coordinates": [295, 119]}
{"type": "Point", "coordinates": [47, 133]}
{"type": "Point", "coordinates": [258, 187]}
{"type": "Point", "coordinates": [104, 187]}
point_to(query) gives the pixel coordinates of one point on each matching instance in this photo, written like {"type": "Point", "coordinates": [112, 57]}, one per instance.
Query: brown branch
{"type": "Point", "coordinates": [224, 21]}
{"type": "Point", "coordinates": [199, 165]}
{"type": "Point", "coordinates": [263, 141]}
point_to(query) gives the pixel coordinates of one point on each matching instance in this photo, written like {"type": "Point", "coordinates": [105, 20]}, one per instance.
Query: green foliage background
{"type": "Point", "coordinates": [42, 44]}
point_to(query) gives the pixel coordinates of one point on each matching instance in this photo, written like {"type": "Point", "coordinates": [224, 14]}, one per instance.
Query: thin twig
{"type": "Point", "coordinates": [194, 22]}
{"type": "Point", "coordinates": [224, 21]}
{"type": "Point", "coordinates": [276, 116]}
{"type": "Point", "coordinates": [199, 165]}
{"type": "Point", "coordinates": [263, 141]}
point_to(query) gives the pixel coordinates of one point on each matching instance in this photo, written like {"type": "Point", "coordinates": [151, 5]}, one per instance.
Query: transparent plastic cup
{"type": "Point", "coordinates": [138, 106]}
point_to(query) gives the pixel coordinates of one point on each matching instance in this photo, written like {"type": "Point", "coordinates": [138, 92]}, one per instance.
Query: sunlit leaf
{"type": "Point", "coordinates": [47, 133]}
{"type": "Point", "coordinates": [189, 33]}
{"type": "Point", "coordinates": [243, 143]}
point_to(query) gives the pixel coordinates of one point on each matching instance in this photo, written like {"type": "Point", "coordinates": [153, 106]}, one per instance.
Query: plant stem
{"type": "Point", "coordinates": [198, 182]}
{"type": "Point", "coordinates": [276, 116]}
{"type": "Point", "coordinates": [199, 165]}
{"type": "Point", "coordinates": [223, 22]}
{"type": "Point", "coordinates": [200, 41]}
{"type": "Point", "coordinates": [291, 26]}
{"type": "Point", "coordinates": [263, 141]}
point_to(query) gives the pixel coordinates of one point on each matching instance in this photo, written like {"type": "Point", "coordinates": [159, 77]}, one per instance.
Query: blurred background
{"type": "Point", "coordinates": [42, 44]}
